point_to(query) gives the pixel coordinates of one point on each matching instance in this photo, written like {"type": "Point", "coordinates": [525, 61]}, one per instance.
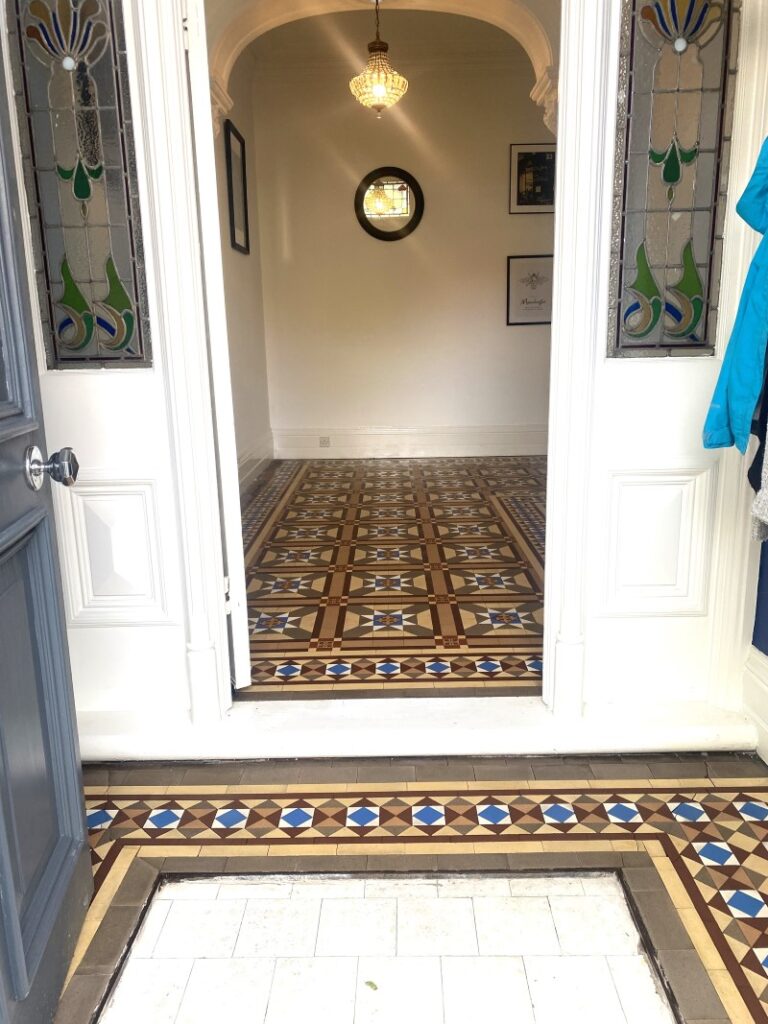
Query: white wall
{"type": "Point", "coordinates": [409, 335]}
{"type": "Point", "coordinates": [242, 284]}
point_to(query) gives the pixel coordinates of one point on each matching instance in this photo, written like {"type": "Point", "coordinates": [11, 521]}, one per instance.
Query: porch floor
{"type": "Point", "coordinates": [396, 577]}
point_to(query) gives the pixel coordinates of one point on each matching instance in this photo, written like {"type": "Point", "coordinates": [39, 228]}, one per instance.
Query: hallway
{"type": "Point", "coordinates": [396, 577]}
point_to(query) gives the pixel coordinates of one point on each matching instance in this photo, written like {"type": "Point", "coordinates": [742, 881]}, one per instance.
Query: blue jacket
{"type": "Point", "coordinates": [741, 375]}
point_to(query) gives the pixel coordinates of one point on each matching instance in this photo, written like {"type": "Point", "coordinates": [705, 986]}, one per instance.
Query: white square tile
{"type": "Point", "coordinates": [227, 990]}
{"type": "Point", "coordinates": [435, 927]}
{"type": "Point", "coordinates": [279, 928]}
{"type": "Point", "coordinates": [147, 936]}
{"type": "Point", "coordinates": [188, 889]}
{"type": "Point", "coordinates": [407, 990]}
{"type": "Point", "coordinates": [546, 885]}
{"type": "Point", "coordinates": [200, 929]}
{"type": "Point", "coordinates": [602, 885]}
{"type": "Point", "coordinates": [399, 887]}
{"type": "Point", "coordinates": [255, 887]}
{"type": "Point", "coordinates": [488, 988]}
{"type": "Point", "coordinates": [328, 888]}
{"type": "Point", "coordinates": [576, 989]}
{"type": "Point", "coordinates": [515, 926]}
{"type": "Point", "coordinates": [357, 927]}
{"type": "Point", "coordinates": [594, 925]}
{"type": "Point", "coordinates": [149, 991]}
{"type": "Point", "coordinates": [472, 886]}
{"type": "Point", "coordinates": [639, 995]}
{"type": "Point", "coordinates": [320, 990]}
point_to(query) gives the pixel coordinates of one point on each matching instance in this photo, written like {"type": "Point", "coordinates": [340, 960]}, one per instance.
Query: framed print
{"type": "Point", "coordinates": [532, 178]}
{"type": "Point", "coordinates": [237, 187]}
{"type": "Point", "coordinates": [529, 290]}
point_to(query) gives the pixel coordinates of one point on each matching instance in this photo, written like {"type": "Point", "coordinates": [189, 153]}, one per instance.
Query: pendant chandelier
{"type": "Point", "coordinates": [378, 85]}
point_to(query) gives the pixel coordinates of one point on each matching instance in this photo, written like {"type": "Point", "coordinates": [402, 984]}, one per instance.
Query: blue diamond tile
{"type": "Point", "coordinates": [100, 818]}
{"type": "Point", "coordinates": [715, 853]}
{"type": "Point", "coordinates": [745, 903]}
{"type": "Point", "coordinates": [438, 668]}
{"type": "Point", "coordinates": [429, 815]}
{"type": "Point", "coordinates": [559, 813]}
{"type": "Point", "coordinates": [493, 814]}
{"type": "Point", "coordinates": [296, 817]}
{"type": "Point", "coordinates": [287, 671]}
{"type": "Point", "coordinates": [338, 669]}
{"type": "Point", "coordinates": [163, 819]}
{"type": "Point", "coordinates": [488, 666]}
{"type": "Point", "coordinates": [230, 818]}
{"type": "Point", "coordinates": [363, 817]}
{"type": "Point", "coordinates": [752, 810]}
{"type": "Point", "coordinates": [689, 812]}
{"type": "Point", "coordinates": [534, 664]}
{"type": "Point", "coordinates": [622, 812]}
{"type": "Point", "coordinates": [388, 668]}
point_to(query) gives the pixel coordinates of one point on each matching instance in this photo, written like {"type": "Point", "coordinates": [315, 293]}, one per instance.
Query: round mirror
{"type": "Point", "coordinates": [389, 203]}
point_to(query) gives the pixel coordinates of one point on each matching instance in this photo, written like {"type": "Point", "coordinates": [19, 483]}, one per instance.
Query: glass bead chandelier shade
{"type": "Point", "coordinates": [378, 86]}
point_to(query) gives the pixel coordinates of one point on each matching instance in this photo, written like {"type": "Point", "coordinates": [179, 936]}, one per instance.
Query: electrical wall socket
{"type": "Point", "coordinates": [325, 442]}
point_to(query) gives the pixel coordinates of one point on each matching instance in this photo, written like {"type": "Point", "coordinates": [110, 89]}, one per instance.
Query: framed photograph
{"type": "Point", "coordinates": [237, 187]}
{"type": "Point", "coordinates": [529, 290]}
{"type": "Point", "coordinates": [532, 178]}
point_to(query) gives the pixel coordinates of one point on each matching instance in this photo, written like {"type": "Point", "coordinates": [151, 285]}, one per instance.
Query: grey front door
{"type": "Point", "coordinates": [45, 879]}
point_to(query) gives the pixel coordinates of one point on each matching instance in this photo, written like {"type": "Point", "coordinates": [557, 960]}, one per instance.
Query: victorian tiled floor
{"type": "Point", "coordinates": [686, 835]}
{"type": "Point", "coordinates": [275, 949]}
{"type": "Point", "coordinates": [416, 577]}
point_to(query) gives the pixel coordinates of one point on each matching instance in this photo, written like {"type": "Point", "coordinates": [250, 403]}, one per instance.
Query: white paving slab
{"type": "Point", "coordinates": [279, 949]}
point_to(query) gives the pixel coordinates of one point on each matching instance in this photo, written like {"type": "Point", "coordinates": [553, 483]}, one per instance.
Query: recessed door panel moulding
{"type": "Point", "coordinates": [660, 542]}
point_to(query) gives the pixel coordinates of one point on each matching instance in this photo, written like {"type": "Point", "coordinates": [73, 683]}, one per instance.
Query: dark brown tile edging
{"type": "Point", "coordinates": [679, 968]}
{"type": "Point", "coordinates": [456, 768]}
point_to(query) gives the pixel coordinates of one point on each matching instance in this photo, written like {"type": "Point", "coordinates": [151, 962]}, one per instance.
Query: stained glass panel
{"type": "Point", "coordinates": [677, 72]}
{"type": "Point", "coordinates": [71, 83]}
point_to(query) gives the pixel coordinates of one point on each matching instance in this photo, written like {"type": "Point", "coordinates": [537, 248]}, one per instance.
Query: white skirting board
{"type": "Point", "coordinates": [251, 463]}
{"type": "Point", "coordinates": [409, 442]}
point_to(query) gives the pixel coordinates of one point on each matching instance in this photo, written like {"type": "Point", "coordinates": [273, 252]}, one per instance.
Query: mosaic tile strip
{"type": "Point", "coordinates": [715, 839]}
{"type": "Point", "coordinates": [407, 573]}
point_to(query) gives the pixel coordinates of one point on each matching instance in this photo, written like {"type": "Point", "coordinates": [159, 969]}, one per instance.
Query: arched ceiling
{"type": "Point", "coordinates": [233, 24]}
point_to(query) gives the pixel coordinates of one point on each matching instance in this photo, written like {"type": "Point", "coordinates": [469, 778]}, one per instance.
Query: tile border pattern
{"type": "Point", "coordinates": [691, 854]}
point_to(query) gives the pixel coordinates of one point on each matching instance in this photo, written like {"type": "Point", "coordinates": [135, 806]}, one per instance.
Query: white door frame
{"type": "Point", "coordinates": [174, 163]}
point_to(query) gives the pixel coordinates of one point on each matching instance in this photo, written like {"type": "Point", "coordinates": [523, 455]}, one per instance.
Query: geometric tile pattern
{"type": "Point", "coordinates": [377, 576]}
{"type": "Point", "coordinates": [710, 838]}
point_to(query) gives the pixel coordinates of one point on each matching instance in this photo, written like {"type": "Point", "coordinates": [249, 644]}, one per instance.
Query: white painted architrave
{"type": "Point", "coordinates": [167, 178]}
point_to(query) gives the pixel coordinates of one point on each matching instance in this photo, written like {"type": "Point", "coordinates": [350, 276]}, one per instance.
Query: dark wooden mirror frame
{"type": "Point", "coordinates": [418, 198]}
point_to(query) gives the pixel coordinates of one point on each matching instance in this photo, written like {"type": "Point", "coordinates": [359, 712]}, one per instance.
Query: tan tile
{"type": "Point", "coordinates": [673, 885]}
{"type": "Point", "coordinates": [165, 850]}
{"type": "Point", "coordinates": [625, 845]}
{"type": "Point", "coordinates": [731, 1000]}
{"type": "Point", "coordinates": [373, 849]}
{"type": "Point", "coordinates": [258, 789]}
{"type": "Point", "coordinates": [700, 937]}
{"type": "Point", "coordinates": [138, 788]}
{"type": "Point", "coordinates": [100, 905]}
{"type": "Point", "coordinates": [654, 848]}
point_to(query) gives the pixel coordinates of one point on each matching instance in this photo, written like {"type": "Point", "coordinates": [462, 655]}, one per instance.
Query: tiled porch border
{"type": "Point", "coordinates": [711, 959]}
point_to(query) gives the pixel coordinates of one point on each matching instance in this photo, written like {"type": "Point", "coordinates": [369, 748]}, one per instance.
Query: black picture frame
{"type": "Point", "coordinates": [520, 313]}
{"type": "Point", "coordinates": [418, 203]}
{"type": "Point", "coordinates": [237, 189]}
{"type": "Point", "coordinates": [539, 159]}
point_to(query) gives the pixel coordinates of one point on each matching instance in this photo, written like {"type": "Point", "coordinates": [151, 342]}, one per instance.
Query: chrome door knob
{"type": "Point", "coordinates": [62, 467]}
